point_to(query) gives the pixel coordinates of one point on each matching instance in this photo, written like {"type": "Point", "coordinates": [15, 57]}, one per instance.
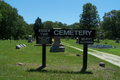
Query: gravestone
{"type": "Point", "coordinates": [29, 38]}
{"type": "Point", "coordinates": [117, 40]}
{"type": "Point", "coordinates": [3, 39]}
{"type": "Point", "coordinates": [98, 46]}
{"type": "Point", "coordinates": [77, 40]}
{"type": "Point", "coordinates": [108, 46]}
{"type": "Point", "coordinates": [91, 45]}
{"type": "Point", "coordinates": [94, 46]}
{"type": "Point", "coordinates": [103, 46]}
{"type": "Point", "coordinates": [57, 46]}
{"type": "Point", "coordinates": [33, 39]}
{"type": "Point", "coordinates": [21, 45]}
{"type": "Point", "coordinates": [102, 64]}
{"type": "Point", "coordinates": [78, 55]}
{"type": "Point", "coordinates": [114, 46]}
{"type": "Point", "coordinates": [18, 46]}
{"type": "Point", "coordinates": [24, 45]}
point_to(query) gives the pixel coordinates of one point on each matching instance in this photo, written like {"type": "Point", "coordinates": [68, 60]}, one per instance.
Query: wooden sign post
{"type": "Point", "coordinates": [85, 41]}
{"type": "Point", "coordinates": [84, 57]}
{"type": "Point", "coordinates": [43, 36]}
{"type": "Point", "coordinates": [43, 55]}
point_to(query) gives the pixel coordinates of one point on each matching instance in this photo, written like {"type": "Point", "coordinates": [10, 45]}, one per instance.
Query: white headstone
{"type": "Point", "coordinates": [18, 46]}
{"type": "Point", "coordinates": [29, 38]}
{"type": "Point", "coordinates": [21, 45]}
{"type": "Point", "coordinates": [24, 45]}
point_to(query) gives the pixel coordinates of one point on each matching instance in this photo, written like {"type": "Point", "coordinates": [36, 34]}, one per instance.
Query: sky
{"type": "Point", "coordinates": [65, 11]}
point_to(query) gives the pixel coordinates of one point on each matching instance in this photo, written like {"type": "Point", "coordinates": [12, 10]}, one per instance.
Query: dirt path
{"type": "Point", "coordinates": [102, 55]}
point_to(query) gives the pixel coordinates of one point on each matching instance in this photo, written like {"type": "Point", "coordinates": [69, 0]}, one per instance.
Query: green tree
{"type": "Point", "coordinates": [75, 26]}
{"type": "Point", "coordinates": [64, 26]}
{"type": "Point", "coordinates": [60, 24]}
{"type": "Point", "coordinates": [89, 17]}
{"type": "Point", "coordinates": [30, 29]}
{"type": "Point", "coordinates": [4, 12]}
{"type": "Point", "coordinates": [38, 24]}
{"type": "Point", "coordinates": [1, 17]}
{"type": "Point", "coordinates": [48, 25]}
{"type": "Point", "coordinates": [111, 24]}
{"type": "Point", "coordinates": [11, 24]}
{"type": "Point", "coordinates": [19, 28]}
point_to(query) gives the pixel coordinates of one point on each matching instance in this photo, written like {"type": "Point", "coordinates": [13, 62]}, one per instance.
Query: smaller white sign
{"type": "Point", "coordinates": [86, 40]}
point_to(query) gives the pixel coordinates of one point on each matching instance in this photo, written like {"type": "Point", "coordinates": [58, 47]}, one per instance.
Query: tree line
{"type": "Point", "coordinates": [111, 25]}
{"type": "Point", "coordinates": [13, 26]}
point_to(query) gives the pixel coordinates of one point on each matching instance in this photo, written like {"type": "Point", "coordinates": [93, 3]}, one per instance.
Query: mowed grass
{"type": "Point", "coordinates": [114, 51]}
{"type": "Point", "coordinates": [59, 65]}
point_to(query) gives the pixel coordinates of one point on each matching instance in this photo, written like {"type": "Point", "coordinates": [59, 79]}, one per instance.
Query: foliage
{"type": "Point", "coordinates": [38, 24]}
{"type": "Point", "coordinates": [111, 24]}
{"type": "Point", "coordinates": [48, 24]}
{"type": "Point", "coordinates": [89, 17]}
{"type": "Point", "coordinates": [11, 23]}
{"type": "Point", "coordinates": [8, 21]}
{"type": "Point", "coordinates": [0, 16]}
{"type": "Point", "coordinates": [74, 26]}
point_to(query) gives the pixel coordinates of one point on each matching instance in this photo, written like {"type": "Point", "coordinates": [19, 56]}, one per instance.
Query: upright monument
{"type": "Point", "coordinates": [57, 46]}
{"type": "Point", "coordinates": [29, 38]}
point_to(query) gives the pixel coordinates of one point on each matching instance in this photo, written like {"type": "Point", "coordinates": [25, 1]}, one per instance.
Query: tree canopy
{"type": "Point", "coordinates": [89, 17]}
{"type": "Point", "coordinates": [111, 24]}
{"type": "Point", "coordinates": [38, 24]}
{"type": "Point", "coordinates": [12, 25]}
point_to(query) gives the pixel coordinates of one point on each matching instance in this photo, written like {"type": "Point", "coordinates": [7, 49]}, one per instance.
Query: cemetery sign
{"type": "Point", "coordinates": [65, 32]}
{"type": "Point", "coordinates": [85, 36]}
{"type": "Point", "coordinates": [43, 37]}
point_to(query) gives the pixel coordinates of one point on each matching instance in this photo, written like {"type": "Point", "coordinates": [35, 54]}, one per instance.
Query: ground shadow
{"type": "Point", "coordinates": [41, 69]}
{"type": "Point", "coordinates": [38, 69]}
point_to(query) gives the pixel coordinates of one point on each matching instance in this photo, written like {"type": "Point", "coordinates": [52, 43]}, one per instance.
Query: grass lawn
{"type": "Point", "coordinates": [59, 65]}
{"type": "Point", "coordinates": [115, 51]}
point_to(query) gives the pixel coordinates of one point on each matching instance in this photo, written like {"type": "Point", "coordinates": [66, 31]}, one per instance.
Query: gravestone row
{"type": "Point", "coordinates": [20, 46]}
{"type": "Point", "coordinates": [101, 46]}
